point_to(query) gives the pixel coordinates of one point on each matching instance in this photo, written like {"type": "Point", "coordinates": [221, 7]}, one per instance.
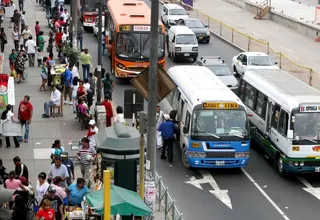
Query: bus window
{"type": "Point", "coordinates": [261, 105]}
{"type": "Point", "coordinates": [283, 123]}
{"type": "Point", "coordinates": [275, 116]}
{"type": "Point", "coordinates": [250, 96]}
{"type": "Point", "coordinates": [187, 121]}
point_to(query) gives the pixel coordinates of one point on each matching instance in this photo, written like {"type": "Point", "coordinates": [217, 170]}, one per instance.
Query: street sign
{"type": "Point", "coordinates": [164, 87]}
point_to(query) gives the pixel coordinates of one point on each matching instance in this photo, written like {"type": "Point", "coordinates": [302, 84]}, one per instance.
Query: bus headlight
{"type": "Point", "coordinates": [296, 163]}
{"type": "Point", "coordinates": [242, 155]}
{"type": "Point", "coordinates": [302, 164]}
{"type": "Point", "coordinates": [119, 65]}
{"type": "Point", "coordinates": [196, 154]}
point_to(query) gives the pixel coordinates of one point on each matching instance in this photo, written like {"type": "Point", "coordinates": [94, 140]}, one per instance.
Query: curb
{"type": "Point", "coordinates": [227, 41]}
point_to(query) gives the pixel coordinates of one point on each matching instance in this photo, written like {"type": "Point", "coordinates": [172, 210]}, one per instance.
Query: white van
{"type": "Point", "coordinates": [182, 43]}
{"type": "Point", "coordinates": [96, 26]}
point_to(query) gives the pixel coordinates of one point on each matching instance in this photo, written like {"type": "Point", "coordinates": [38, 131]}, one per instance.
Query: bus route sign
{"type": "Point", "coordinates": [220, 105]}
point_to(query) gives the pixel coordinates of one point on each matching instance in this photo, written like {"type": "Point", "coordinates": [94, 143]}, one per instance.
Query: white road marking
{"type": "Point", "coordinates": [265, 195]}
{"type": "Point", "coordinates": [315, 191]}
{"type": "Point", "coordinates": [286, 49]}
{"type": "Point", "coordinates": [222, 195]}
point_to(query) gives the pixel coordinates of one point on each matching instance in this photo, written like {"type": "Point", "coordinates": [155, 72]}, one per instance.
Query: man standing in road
{"type": "Point", "coordinates": [159, 120]}
{"type": "Point", "coordinates": [31, 46]}
{"type": "Point", "coordinates": [168, 130]}
{"type": "Point", "coordinates": [25, 113]}
{"type": "Point", "coordinates": [86, 156]}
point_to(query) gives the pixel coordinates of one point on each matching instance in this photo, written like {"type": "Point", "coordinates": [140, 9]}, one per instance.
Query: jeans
{"type": "Point", "coordinates": [86, 70]}
{"type": "Point", "coordinates": [16, 45]}
{"type": "Point", "coordinates": [108, 93]}
{"type": "Point", "coordinates": [26, 133]}
{"type": "Point", "coordinates": [168, 144]}
{"type": "Point", "coordinates": [2, 47]}
{"type": "Point", "coordinates": [48, 10]}
{"type": "Point", "coordinates": [31, 57]}
{"type": "Point", "coordinates": [47, 106]}
{"type": "Point", "coordinates": [80, 41]}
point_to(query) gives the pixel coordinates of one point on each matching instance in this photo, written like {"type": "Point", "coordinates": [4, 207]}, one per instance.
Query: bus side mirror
{"type": "Point", "coordinates": [185, 130]}
{"type": "Point", "coordinates": [290, 134]}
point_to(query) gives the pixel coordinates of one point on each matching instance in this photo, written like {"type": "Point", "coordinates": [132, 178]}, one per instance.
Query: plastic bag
{"type": "Point", "coordinates": [13, 73]}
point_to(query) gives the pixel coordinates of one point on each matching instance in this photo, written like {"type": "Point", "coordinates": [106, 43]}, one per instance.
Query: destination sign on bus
{"type": "Point", "coordinates": [310, 108]}
{"type": "Point", "coordinates": [138, 28]}
{"type": "Point", "coordinates": [220, 105]}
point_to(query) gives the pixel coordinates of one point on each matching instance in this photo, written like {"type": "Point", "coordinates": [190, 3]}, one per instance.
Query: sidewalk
{"type": "Point", "coordinates": [36, 153]}
{"type": "Point", "coordinates": [301, 49]}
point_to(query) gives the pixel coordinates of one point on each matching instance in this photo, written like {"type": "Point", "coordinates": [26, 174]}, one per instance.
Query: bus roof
{"type": "Point", "coordinates": [199, 84]}
{"type": "Point", "coordinates": [130, 12]}
{"type": "Point", "coordinates": [282, 87]}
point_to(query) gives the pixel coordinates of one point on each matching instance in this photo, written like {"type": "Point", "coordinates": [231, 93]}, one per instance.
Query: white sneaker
{"type": "Point", "coordinates": [70, 103]}
{"type": "Point", "coordinates": [65, 102]}
{"type": "Point", "coordinates": [159, 146]}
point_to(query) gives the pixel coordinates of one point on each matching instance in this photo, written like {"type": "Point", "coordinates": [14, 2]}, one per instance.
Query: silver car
{"type": "Point", "coordinates": [218, 67]}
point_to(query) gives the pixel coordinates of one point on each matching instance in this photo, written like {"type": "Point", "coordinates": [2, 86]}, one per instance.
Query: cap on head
{"type": "Point", "coordinates": [92, 122]}
{"type": "Point", "coordinates": [166, 116]}
{"type": "Point", "coordinates": [52, 189]}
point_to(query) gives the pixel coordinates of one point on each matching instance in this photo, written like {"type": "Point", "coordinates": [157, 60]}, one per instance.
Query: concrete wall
{"type": "Point", "coordinates": [310, 30]}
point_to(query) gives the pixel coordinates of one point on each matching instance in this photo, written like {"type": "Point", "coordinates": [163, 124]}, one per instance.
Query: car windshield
{"type": "Point", "coordinates": [193, 24]}
{"type": "Point", "coordinates": [219, 70]}
{"type": "Point", "coordinates": [260, 61]}
{"type": "Point", "coordinates": [135, 45]}
{"type": "Point", "coordinates": [177, 11]}
{"type": "Point", "coordinates": [219, 123]}
{"type": "Point", "coordinates": [306, 126]}
{"type": "Point", "coordinates": [186, 39]}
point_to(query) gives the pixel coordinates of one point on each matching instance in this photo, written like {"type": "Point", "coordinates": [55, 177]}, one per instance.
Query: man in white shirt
{"type": "Point", "coordinates": [55, 100]}
{"type": "Point", "coordinates": [75, 72]}
{"type": "Point", "coordinates": [91, 135]}
{"type": "Point", "coordinates": [64, 36]}
{"type": "Point", "coordinates": [26, 33]}
{"type": "Point", "coordinates": [65, 15]}
{"type": "Point", "coordinates": [159, 120]}
{"type": "Point", "coordinates": [31, 50]}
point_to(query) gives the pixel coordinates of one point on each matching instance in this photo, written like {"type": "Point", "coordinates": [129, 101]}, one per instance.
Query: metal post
{"type": "Point", "coordinates": [152, 88]}
{"type": "Point", "coordinates": [99, 54]}
{"type": "Point", "coordinates": [74, 17]}
{"type": "Point", "coordinates": [107, 194]}
{"type": "Point", "coordinates": [141, 167]}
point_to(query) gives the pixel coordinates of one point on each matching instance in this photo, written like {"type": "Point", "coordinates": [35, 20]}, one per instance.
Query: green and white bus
{"type": "Point", "coordinates": [285, 119]}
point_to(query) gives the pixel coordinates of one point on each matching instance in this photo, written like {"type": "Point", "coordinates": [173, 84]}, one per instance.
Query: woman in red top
{"type": "Point", "coordinates": [108, 106]}
{"type": "Point", "coordinates": [45, 211]}
{"type": "Point", "coordinates": [81, 92]}
{"type": "Point", "coordinates": [58, 36]}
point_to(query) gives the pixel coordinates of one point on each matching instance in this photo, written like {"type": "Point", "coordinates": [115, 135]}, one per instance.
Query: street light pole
{"type": "Point", "coordinates": [152, 88]}
{"type": "Point", "coordinates": [99, 54]}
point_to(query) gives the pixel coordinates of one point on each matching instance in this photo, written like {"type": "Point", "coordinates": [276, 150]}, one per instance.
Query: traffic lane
{"type": "Point", "coordinates": [195, 203]}
{"type": "Point", "coordinates": [287, 193]}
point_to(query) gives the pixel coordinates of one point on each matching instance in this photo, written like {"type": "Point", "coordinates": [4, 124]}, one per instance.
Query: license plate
{"type": "Point", "coordinates": [187, 54]}
{"type": "Point", "coordinates": [200, 37]}
{"type": "Point", "coordinates": [220, 163]}
{"type": "Point", "coordinates": [317, 169]}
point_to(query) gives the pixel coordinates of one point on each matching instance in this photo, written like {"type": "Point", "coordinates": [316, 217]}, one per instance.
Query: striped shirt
{"type": "Point", "coordinates": [84, 153]}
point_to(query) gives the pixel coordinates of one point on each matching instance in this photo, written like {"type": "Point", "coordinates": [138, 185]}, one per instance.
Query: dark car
{"type": "Point", "coordinates": [199, 29]}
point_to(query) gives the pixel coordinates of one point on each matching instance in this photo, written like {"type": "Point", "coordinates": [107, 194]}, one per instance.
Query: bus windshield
{"type": "Point", "coordinates": [306, 126]}
{"type": "Point", "coordinates": [90, 5]}
{"type": "Point", "coordinates": [219, 124]}
{"type": "Point", "coordinates": [135, 45]}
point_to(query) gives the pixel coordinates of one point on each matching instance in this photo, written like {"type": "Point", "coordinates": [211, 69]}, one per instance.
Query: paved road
{"type": "Point", "coordinates": [248, 202]}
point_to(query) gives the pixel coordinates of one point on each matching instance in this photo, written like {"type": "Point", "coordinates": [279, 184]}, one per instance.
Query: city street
{"type": "Point", "coordinates": [259, 194]}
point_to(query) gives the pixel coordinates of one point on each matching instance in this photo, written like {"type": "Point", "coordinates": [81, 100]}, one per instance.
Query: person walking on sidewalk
{"type": "Point", "coordinates": [67, 77]}
{"type": "Point", "coordinates": [109, 112]}
{"type": "Point", "coordinates": [92, 131]}
{"type": "Point", "coordinates": [23, 21]}
{"type": "Point", "coordinates": [25, 113]}
{"type": "Point", "coordinates": [37, 29]}
{"type": "Point", "coordinates": [41, 41]}
{"type": "Point", "coordinates": [3, 39]}
{"type": "Point", "coordinates": [16, 38]}
{"type": "Point", "coordinates": [21, 5]}
{"type": "Point", "coordinates": [12, 58]}
{"type": "Point", "coordinates": [31, 46]}
{"type": "Point", "coordinates": [8, 117]}
{"type": "Point", "coordinates": [159, 120]}
{"type": "Point", "coordinates": [85, 58]}
{"type": "Point", "coordinates": [86, 155]}
{"type": "Point", "coordinates": [168, 130]}
{"type": "Point", "coordinates": [26, 33]}
{"type": "Point", "coordinates": [69, 164]}
{"type": "Point", "coordinates": [108, 86]}
{"type": "Point", "coordinates": [16, 19]}
{"type": "Point", "coordinates": [20, 168]}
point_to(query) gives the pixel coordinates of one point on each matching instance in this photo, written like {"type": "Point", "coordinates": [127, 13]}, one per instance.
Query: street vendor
{"type": "Point", "coordinates": [76, 192]}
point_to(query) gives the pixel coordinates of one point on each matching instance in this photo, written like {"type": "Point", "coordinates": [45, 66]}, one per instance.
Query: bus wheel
{"type": "Point", "coordinates": [184, 158]}
{"type": "Point", "coordinates": [279, 165]}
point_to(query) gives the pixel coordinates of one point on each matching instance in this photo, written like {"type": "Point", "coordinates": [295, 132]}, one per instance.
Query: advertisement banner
{"type": "Point", "coordinates": [4, 79]}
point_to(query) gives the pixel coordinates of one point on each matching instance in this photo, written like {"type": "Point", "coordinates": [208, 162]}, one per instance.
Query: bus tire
{"type": "Point", "coordinates": [278, 164]}
{"type": "Point", "coordinates": [184, 158]}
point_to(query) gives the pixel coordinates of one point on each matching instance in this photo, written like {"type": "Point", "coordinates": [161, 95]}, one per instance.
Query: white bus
{"type": "Point", "coordinates": [286, 116]}
{"type": "Point", "coordinates": [215, 130]}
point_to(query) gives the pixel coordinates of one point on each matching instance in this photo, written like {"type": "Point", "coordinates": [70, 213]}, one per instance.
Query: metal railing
{"type": "Point", "coordinates": [165, 203]}
{"type": "Point", "coordinates": [248, 43]}
{"type": "Point", "coordinates": [261, 7]}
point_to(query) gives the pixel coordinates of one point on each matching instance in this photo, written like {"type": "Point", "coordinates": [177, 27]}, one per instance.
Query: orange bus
{"type": "Point", "coordinates": [128, 31]}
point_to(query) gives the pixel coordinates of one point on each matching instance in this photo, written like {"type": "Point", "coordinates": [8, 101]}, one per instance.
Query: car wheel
{"type": "Point", "coordinates": [184, 158]}
{"type": "Point", "coordinates": [235, 70]}
{"type": "Point", "coordinates": [208, 41]}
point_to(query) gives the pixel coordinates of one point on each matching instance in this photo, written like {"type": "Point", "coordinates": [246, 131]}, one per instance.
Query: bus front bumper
{"type": "Point", "coordinates": [88, 24]}
{"type": "Point", "coordinates": [218, 162]}
{"type": "Point", "coordinates": [309, 166]}
{"type": "Point", "coordinates": [121, 73]}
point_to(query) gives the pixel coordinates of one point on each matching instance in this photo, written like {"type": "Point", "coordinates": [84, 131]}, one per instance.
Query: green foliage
{"type": "Point", "coordinates": [72, 54]}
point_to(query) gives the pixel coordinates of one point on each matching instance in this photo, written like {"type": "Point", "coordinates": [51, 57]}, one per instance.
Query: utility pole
{"type": "Point", "coordinates": [74, 15]}
{"type": "Point", "coordinates": [99, 66]}
{"type": "Point", "coordinates": [152, 88]}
